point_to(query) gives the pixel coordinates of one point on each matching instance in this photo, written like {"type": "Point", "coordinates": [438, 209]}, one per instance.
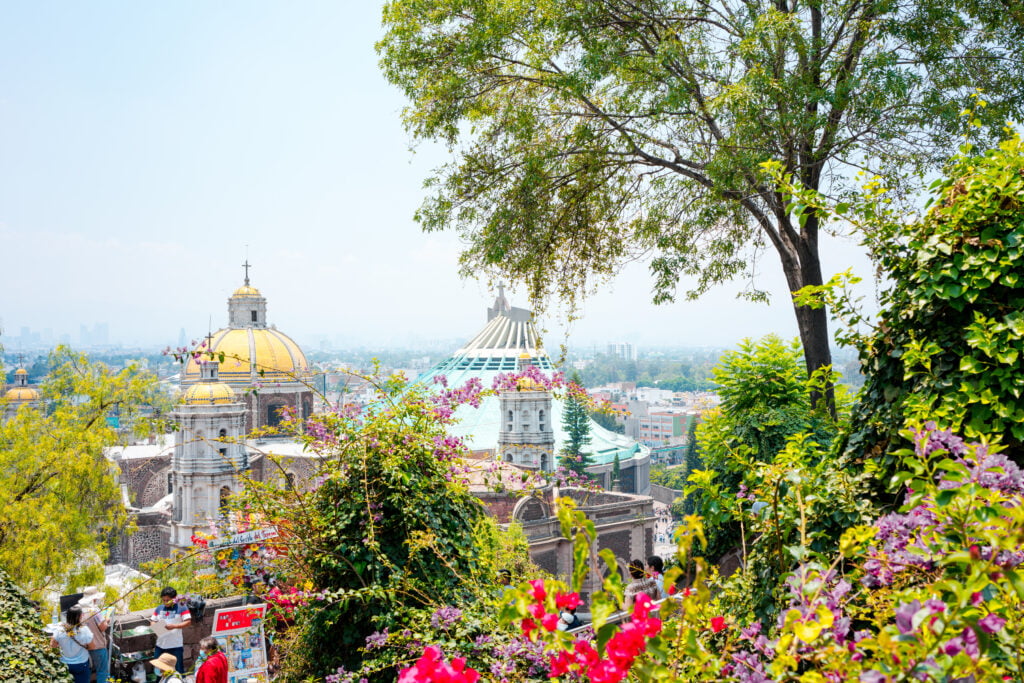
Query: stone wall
{"type": "Point", "coordinates": [664, 494]}
{"type": "Point", "coordinates": [151, 540]}
{"type": "Point", "coordinates": [146, 478]}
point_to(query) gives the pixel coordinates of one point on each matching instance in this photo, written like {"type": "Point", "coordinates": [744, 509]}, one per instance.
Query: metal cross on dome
{"type": "Point", "coordinates": [246, 266]}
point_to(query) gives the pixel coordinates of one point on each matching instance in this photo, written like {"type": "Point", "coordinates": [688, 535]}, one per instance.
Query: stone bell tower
{"type": "Point", "coordinates": [209, 454]}
{"type": "Point", "coordinates": [526, 437]}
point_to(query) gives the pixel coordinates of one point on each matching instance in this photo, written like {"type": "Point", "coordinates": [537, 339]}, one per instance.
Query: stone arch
{"type": "Point", "coordinates": [530, 510]}
{"type": "Point", "coordinates": [155, 488]}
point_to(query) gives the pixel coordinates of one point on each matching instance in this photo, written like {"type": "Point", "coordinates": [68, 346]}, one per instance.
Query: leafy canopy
{"type": "Point", "coordinates": [58, 492]}
{"type": "Point", "coordinates": [586, 133]}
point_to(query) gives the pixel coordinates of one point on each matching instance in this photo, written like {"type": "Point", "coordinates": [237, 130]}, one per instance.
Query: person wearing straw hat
{"type": "Point", "coordinates": [165, 664]}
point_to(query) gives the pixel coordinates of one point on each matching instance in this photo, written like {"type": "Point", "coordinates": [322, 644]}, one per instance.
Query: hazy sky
{"type": "Point", "coordinates": [144, 144]}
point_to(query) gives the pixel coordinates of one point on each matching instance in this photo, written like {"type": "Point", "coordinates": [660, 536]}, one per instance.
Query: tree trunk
{"type": "Point", "coordinates": [802, 267]}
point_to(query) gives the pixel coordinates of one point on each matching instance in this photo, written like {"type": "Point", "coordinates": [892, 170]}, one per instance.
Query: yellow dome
{"type": "Point", "coordinates": [527, 384]}
{"type": "Point", "coordinates": [209, 393]}
{"type": "Point", "coordinates": [247, 291]}
{"type": "Point", "coordinates": [21, 371]}
{"type": "Point", "coordinates": [250, 350]}
{"type": "Point", "coordinates": [22, 394]}
{"type": "Point", "coordinates": [524, 354]}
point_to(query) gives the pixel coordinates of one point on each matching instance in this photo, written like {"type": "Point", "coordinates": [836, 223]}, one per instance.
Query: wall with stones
{"type": "Point", "coordinates": [146, 478]}
{"type": "Point", "coordinates": [151, 540]}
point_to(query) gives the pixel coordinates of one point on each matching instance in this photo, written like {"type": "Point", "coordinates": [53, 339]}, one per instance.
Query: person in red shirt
{"type": "Point", "coordinates": [215, 667]}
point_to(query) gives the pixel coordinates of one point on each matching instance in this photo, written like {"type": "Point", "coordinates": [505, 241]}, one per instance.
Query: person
{"type": "Point", "coordinates": [641, 583]}
{"type": "Point", "coordinates": [656, 570]}
{"type": "Point", "coordinates": [166, 664]}
{"type": "Point", "coordinates": [175, 617]}
{"type": "Point", "coordinates": [215, 666]}
{"type": "Point", "coordinates": [94, 620]}
{"type": "Point", "coordinates": [568, 620]}
{"type": "Point", "coordinates": [72, 638]}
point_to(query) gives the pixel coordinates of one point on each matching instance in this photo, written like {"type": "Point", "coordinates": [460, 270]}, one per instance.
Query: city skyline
{"type": "Point", "coordinates": [150, 150]}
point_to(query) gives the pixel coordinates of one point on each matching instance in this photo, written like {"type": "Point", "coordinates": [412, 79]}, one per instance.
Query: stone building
{"type": "Point", "coordinates": [209, 454]}
{"type": "Point", "coordinates": [526, 437]}
{"type": "Point", "coordinates": [20, 394]}
{"type": "Point", "coordinates": [265, 367]}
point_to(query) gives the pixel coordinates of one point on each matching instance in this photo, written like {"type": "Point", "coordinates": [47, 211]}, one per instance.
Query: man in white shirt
{"type": "Point", "coordinates": [175, 617]}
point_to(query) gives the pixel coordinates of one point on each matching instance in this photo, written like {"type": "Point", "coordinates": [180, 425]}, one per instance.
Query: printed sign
{"type": "Point", "coordinates": [254, 536]}
{"type": "Point", "coordinates": [239, 631]}
{"type": "Point", "coordinates": [237, 618]}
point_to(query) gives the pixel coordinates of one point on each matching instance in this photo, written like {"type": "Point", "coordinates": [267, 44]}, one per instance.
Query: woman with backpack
{"type": "Point", "coordinates": [72, 638]}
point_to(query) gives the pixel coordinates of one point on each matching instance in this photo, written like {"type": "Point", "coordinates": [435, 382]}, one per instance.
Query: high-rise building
{"type": "Point", "coordinates": [623, 350]}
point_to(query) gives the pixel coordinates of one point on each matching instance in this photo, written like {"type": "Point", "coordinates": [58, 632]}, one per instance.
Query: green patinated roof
{"type": "Point", "coordinates": [496, 350]}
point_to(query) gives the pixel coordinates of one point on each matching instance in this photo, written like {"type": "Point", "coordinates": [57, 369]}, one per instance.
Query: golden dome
{"type": "Point", "coordinates": [250, 350]}
{"type": "Point", "coordinates": [246, 291]}
{"type": "Point", "coordinates": [209, 393]}
{"type": "Point", "coordinates": [527, 384]}
{"type": "Point", "coordinates": [22, 394]}
{"type": "Point", "coordinates": [21, 371]}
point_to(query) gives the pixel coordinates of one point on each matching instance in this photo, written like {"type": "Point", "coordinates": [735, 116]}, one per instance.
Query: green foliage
{"type": "Point", "coordinates": [607, 420]}
{"type": "Point", "coordinates": [765, 406]}
{"type": "Point", "coordinates": [588, 133]}
{"type": "Point", "coordinates": [576, 423]}
{"type": "Point", "coordinates": [59, 497]}
{"type": "Point", "coordinates": [387, 529]}
{"type": "Point", "coordinates": [25, 652]}
{"type": "Point", "coordinates": [950, 340]}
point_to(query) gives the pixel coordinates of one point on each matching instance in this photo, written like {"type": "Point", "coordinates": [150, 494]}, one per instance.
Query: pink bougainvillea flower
{"type": "Point", "coordinates": [568, 600]}
{"type": "Point", "coordinates": [991, 623]}
{"type": "Point", "coordinates": [717, 624]}
{"type": "Point", "coordinates": [528, 626]}
{"type": "Point", "coordinates": [538, 591]}
{"type": "Point", "coordinates": [549, 622]}
{"type": "Point", "coordinates": [537, 610]}
{"type": "Point", "coordinates": [431, 668]}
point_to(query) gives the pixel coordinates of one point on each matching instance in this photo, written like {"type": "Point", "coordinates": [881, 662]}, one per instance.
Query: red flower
{"type": "Point", "coordinates": [567, 600]}
{"type": "Point", "coordinates": [672, 589]}
{"type": "Point", "coordinates": [431, 667]}
{"type": "Point", "coordinates": [537, 610]}
{"type": "Point", "coordinates": [538, 590]}
{"type": "Point", "coordinates": [717, 624]}
{"type": "Point", "coordinates": [549, 621]}
{"type": "Point", "coordinates": [528, 625]}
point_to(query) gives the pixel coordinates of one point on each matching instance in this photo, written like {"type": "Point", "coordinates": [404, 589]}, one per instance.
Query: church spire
{"type": "Point", "coordinates": [247, 267]}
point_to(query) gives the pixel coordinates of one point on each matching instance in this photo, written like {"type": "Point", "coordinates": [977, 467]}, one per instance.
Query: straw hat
{"type": "Point", "coordinates": [165, 662]}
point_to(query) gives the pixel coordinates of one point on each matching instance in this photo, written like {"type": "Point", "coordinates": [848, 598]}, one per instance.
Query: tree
{"type": "Point", "coordinates": [587, 133]}
{"type": "Point", "coordinates": [576, 423]}
{"type": "Point", "coordinates": [59, 496]}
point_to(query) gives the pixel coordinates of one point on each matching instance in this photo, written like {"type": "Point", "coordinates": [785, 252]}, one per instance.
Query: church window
{"type": "Point", "coordinates": [253, 316]}
{"type": "Point", "coordinates": [509, 421]}
{"type": "Point", "coordinates": [170, 482]}
{"type": "Point", "coordinates": [289, 478]}
{"type": "Point", "coordinates": [541, 418]}
{"type": "Point", "coordinates": [223, 433]}
{"type": "Point", "coordinates": [225, 494]}
{"type": "Point", "coordinates": [223, 453]}
{"type": "Point", "coordinates": [544, 462]}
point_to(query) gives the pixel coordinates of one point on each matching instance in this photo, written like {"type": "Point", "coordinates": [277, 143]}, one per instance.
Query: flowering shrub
{"type": "Point", "coordinates": [932, 592]}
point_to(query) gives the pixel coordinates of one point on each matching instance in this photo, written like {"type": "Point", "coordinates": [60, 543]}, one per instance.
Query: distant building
{"type": "Point", "coordinates": [20, 394]}
{"type": "Point", "coordinates": [509, 334]}
{"type": "Point", "coordinates": [623, 350]}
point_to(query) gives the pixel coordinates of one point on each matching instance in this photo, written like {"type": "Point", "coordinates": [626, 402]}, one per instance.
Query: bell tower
{"type": "Point", "coordinates": [209, 454]}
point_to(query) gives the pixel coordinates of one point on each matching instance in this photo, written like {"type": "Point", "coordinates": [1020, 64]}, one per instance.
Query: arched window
{"type": "Point", "coordinates": [225, 494]}
{"type": "Point", "coordinates": [509, 421]}
{"type": "Point", "coordinates": [223, 433]}
{"type": "Point", "coordinates": [541, 418]}
{"type": "Point", "coordinates": [289, 480]}
{"type": "Point", "coordinates": [544, 462]}
{"type": "Point", "coordinates": [273, 415]}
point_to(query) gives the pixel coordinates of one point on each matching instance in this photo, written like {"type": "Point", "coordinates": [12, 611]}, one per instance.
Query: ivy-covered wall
{"type": "Point", "coordinates": [25, 652]}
